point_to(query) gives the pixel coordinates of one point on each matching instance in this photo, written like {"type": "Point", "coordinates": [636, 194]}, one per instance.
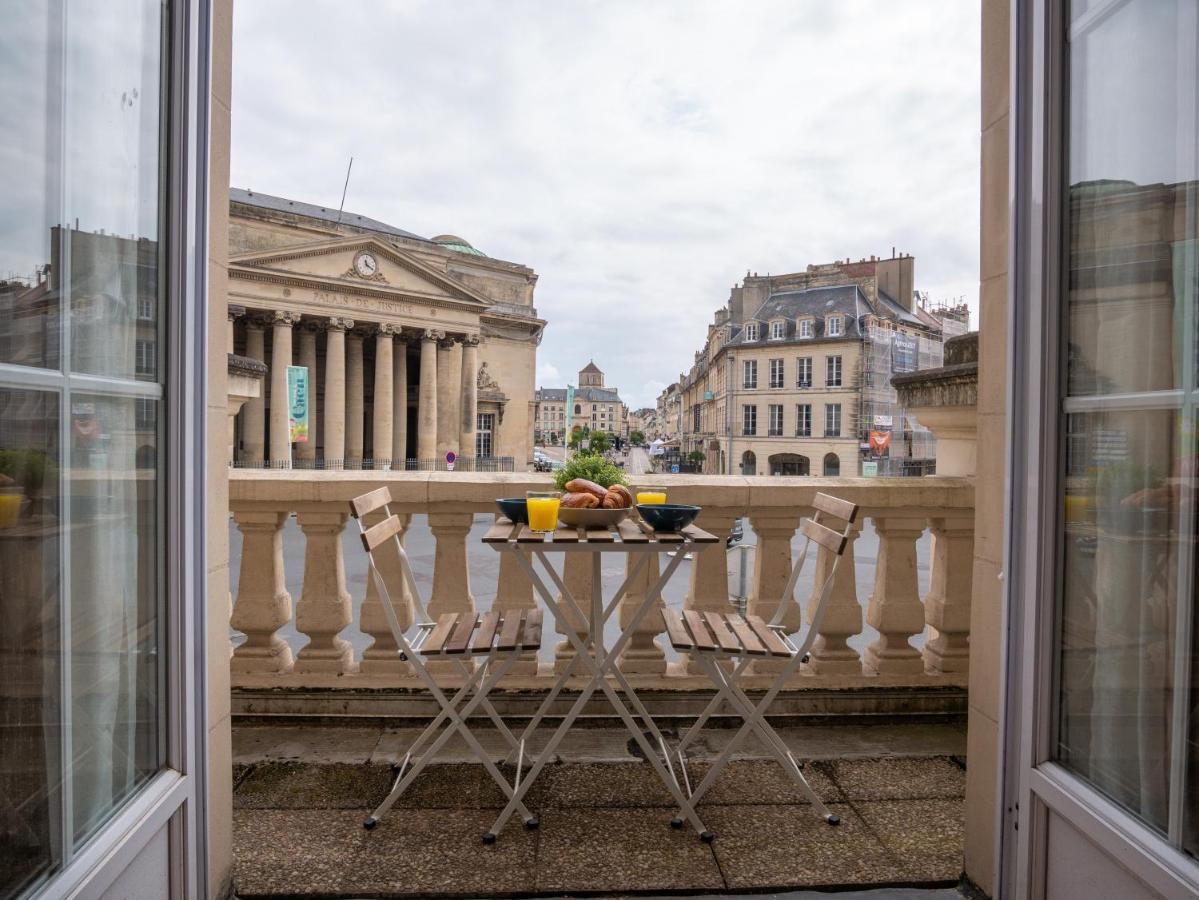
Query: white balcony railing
{"type": "Point", "coordinates": [900, 510]}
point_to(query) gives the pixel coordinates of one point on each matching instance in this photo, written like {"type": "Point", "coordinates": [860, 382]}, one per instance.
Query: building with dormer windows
{"type": "Point", "coordinates": [794, 378]}
{"type": "Point", "coordinates": [593, 406]}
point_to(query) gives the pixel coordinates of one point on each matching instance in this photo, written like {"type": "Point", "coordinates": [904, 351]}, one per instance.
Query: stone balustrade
{"type": "Point", "coordinates": [269, 677]}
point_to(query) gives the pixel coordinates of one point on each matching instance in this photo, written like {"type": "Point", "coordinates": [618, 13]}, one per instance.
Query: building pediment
{"type": "Point", "coordinates": [387, 270]}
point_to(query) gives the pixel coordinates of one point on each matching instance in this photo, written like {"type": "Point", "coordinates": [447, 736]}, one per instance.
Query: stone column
{"type": "Point", "coordinates": [468, 402]}
{"type": "Point", "coordinates": [451, 571]}
{"type": "Point", "coordinates": [253, 415]}
{"type": "Point", "coordinates": [307, 449]}
{"type": "Point", "coordinates": [399, 401]}
{"type": "Point", "coordinates": [772, 569]}
{"type": "Point", "coordinates": [382, 656]}
{"type": "Point", "coordinates": [642, 655]}
{"type": "Point", "coordinates": [382, 409]}
{"type": "Point", "coordinates": [426, 435]}
{"type": "Point", "coordinates": [577, 575]}
{"type": "Point", "coordinates": [234, 312]}
{"type": "Point", "coordinates": [447, 391]}
{"type": "Point", "coordinates": [324, 607]}
{"type": "Point", "coordinates": [895, 608]}
{"type": "Point", "coordinates": [831, 654]}
{"type": "Point", "coordinates": [280, 360]}
{"type": "Point", "coordinates": [709, 590]}
{"type": "Point", "coordinates": [355, 386]}
{"type": "Point", "coordinates": [947, 604]}
{"type": "Point", "coordinates": [263, 604]}
{"type": "Point", "coordinates": [335, 392]}
{"type": "Point", "coordinates": [514, 593]}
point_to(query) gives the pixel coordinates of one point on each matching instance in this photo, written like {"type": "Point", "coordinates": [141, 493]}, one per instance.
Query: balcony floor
{"type": "Point", "coordinates": [301, 792]}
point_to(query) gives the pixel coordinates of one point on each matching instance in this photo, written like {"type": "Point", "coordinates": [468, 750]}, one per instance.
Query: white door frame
{"type": "Point", "coordinates": [1035, 785]}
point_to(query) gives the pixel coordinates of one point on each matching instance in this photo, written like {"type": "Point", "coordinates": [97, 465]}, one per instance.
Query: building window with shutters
{"type": "Point", "coordinates": [833, 371]}
{"type": "Point", "coordinates": [776, 373]}
{"type": "Point", "coordinates": [775, 424]}
{"type": "Point", "coordinates": [805, 328]}
{"type": "Point", "coordinates": [749, 420]}
{"type": "Point", "coordinates": [485, 425]}
{"type": "Point", "coordinates": [751, 331]}
{"type": "Point", "coordinates": [777, 330]}
{"type": "Point", "coordinates": [803, 372]}
{"type": "Point", "coordinates": [750, 370]}
{"type": "Point", "coordinates": [832, 326]}
{"type": "Point", "coordinates": [803, 420]}
{"type": "Point", "coordinates": [832, 420]}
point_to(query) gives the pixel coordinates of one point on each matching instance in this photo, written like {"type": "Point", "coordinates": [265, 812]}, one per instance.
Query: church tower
{"type": "Point", "coordinates": [591, 376]}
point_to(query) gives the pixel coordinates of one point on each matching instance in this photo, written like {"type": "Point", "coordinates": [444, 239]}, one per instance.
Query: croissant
{"type": "Point", "coordinates": [618, 497]}
{"type": "Point", "coordinates": [577, 500]}
{"type": "Point", "coordinates": [583, 486]}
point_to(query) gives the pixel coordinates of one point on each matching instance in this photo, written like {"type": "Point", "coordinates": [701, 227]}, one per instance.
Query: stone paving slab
{"type": "Point", "coordinates": [298, 833]}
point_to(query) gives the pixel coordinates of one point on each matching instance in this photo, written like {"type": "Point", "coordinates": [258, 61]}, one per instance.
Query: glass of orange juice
{"type": "Point", "coordinates": [651, 497]}
{"type": "Point", "coordinates": [10, 506]}
{"type": "Point", "coordinates": [543, 510]}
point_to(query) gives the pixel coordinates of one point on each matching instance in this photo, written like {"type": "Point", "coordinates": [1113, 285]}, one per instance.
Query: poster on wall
{"type": "Point", "coordinates": [903, 353]}
{"type": "Point", "coordinates": [879, 442]}
{"type": "Point", "coordinates": [297, 403]}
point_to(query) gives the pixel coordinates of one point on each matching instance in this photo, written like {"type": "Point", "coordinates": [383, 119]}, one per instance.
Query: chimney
{"type": "Point", "coordinates": [896, 278]}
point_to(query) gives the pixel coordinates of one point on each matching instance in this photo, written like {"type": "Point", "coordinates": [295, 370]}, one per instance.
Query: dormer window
{"type": "Point", "coordinates": [777, 329]}
{"type": "Point", "coordinates": [751, 331]}
{"type": "Point", "coordinates": [805, 328]}
{"type": "Point", "coordinates": [832, 326]}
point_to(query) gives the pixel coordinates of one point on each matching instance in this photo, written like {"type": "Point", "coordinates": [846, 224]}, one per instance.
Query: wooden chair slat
{"type": "Point", "coordinates": [460, 639]}
{"type": "Point", "coordinates": [441, 631]}
{"type": "Point", "coordinates": [509, 631]}
{"type": "Point", "coordinates": [531, 639]}
{"type": "Point", "coordinates": [835, 506]}
{"type": "Point", "coordinates": [727, 640]}
{"type": "Point", "coordinates": [630, 533]}
{"type": "Point", "coordinates": [751, 642]}
{"type": "Point", "coordinates": [486, 632]}
{"type": "Point", "coordinates": [501, 532]}
{"type": "Point", "coordinates": [676, 631]}
{"type": "Point", "coordinates": [528, 536]}
{"type": "Point", "coordinates": [599, 535]}
{"type": "Point", "coordinates": [383, 531]}
{"type": "Point", "coordinates": [774, 644]}
{"type": "Point", "coordinates": [823, 535]}
{"type": "Point", "coordinates": [370, 501]}
{"type": "Point", "coordinates": [699, 633]}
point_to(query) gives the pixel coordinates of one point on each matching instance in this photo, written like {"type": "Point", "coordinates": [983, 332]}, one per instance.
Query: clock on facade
{"type": "Point", "coordinates": [366, 265]}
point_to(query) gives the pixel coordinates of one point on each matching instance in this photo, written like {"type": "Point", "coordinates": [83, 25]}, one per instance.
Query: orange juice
{"type": "Point", "coordinates": [543, 511]}
{"type": "Point", "coordinates": [651, 497]}
{"type": "Point", "coordinates": [10, 507]}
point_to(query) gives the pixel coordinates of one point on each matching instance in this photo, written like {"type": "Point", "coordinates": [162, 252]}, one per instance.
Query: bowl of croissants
{"type": "Point", "coordinates": [589, 504]}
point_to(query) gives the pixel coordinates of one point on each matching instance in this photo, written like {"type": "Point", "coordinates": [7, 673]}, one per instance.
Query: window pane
{"type": "Point", "coordinates": [1131, 198]}
{"type": "Point", "coordinates": [116, 594]}
{"type": "Point", "coordinates": [30, 193]}
{"type": "Point", "coordinates": [113, 63]}
{"type": "Point", "coordinates": [30, 765]}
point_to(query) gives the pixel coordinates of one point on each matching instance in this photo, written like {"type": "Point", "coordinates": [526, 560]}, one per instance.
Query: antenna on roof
{"type": "Point", "coordinates": [344, 189]}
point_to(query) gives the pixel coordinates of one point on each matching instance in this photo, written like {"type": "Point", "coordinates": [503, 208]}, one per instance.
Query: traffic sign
{"type": "Point", "coordinates": [449, 461]}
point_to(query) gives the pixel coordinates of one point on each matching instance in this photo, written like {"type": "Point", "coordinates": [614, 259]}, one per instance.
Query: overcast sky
{"type": "Point", "coordinates": [641, 156]}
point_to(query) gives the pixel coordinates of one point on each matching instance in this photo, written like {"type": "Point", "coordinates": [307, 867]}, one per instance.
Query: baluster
{"type": "Point", "coordinates": [382, 656]}
{"type": "Point", "coordinates": [263, 604]}
{"type": "Point", "coordinates": [514, 593]}
{"type": "Point", "coordinates": [772, 569]}
{"type": "Point", "coordinates": [895, 608]}
{"type": "Point", "coordinates": [947, 605]}
{"type": "Point", "coordinates": [709, 589]}
{"type": "Point", "coordinates": [451, 574]}
{"type": "Point", "coordinates": [324, 607]}
{"type": "Point", "coordinates": [830, 653]}
{"type": "Point", "coordinates": [576, 573]}
{"type": "Point", "coordinates": [642, 655]}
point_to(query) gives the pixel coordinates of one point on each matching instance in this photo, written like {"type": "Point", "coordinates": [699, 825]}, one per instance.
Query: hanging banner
{"type": "Point", "coordinates": [879, 442]}
{"type": "Point", "coordinates": [297, 403]}
{"type": "Point", "coordinates": [903, 353]}
{"type": "Point", "coordinates": [870, 469]}
{"type": "Point", "coordinates": [882, 421]}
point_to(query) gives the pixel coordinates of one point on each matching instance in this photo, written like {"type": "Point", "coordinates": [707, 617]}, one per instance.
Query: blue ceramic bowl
{"type": "Point", "coordinates": [515, 509]}
{"type": "Point", "coordinates": [667, 516]}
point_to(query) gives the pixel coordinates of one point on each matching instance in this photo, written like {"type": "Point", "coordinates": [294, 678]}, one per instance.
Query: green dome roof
{"type": "Point", "coordinates": [457, 244]}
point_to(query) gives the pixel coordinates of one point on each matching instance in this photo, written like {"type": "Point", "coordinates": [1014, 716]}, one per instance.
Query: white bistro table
{"type": "Point", "coordinates": [591, 654]}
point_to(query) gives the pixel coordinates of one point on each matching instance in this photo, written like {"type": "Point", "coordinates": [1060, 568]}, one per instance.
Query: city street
{"type": "Point", "coordinates": [484, 571]}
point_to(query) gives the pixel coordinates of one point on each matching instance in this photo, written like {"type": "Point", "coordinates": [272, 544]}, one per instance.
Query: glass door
{"type": "Point", "coordinates": [1103, 582]}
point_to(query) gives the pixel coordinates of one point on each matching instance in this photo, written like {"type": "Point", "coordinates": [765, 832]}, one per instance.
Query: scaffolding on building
{"type": "Point", "coordinates": [890, 441]}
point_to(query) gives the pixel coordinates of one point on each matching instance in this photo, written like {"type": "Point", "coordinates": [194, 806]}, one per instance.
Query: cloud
{"type": "Point", "coordinates": [547, 374]}
{"type": "Point", "coordinates": [640, 157]}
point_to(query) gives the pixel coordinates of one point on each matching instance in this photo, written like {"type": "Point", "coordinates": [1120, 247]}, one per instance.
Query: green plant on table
{"type": "Point", "coordinates": [593, 468]}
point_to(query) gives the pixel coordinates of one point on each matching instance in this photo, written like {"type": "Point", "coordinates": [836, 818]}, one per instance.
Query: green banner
{"type": "Point", "coordinates": [297, 403]}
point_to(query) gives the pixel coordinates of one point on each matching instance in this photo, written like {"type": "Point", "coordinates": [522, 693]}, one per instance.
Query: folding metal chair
{"type": "Point", "coordinates": [493, 642]}
{"type": "Point", "coordinates": [713, 638]}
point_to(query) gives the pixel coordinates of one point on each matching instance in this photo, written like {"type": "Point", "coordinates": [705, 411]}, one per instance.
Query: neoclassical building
{"type": "Point", "coordinates": [596, 408]}
{"type": "Point", "coordinates": [414, 347]}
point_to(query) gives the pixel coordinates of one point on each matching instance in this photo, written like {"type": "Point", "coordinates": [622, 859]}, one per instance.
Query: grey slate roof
{"type": "Point", "coordinates": [557, 394]}
{"type": "Point", "coordinates": [282, 204]}
{"type": "Point", "coordinates": [894, 309]}
{"type": "Point", "coordinates": [583, 394]}
{"type": "Point", "coordinates": [846, 299]}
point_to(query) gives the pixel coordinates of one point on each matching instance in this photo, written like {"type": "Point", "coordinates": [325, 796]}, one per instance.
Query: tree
{"type": "Point", "coordinates": [637, 438]}
{"type": "Point", "coordinates": [696, 456]}
{"type": "Point", "coordinates": [600, 442]}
